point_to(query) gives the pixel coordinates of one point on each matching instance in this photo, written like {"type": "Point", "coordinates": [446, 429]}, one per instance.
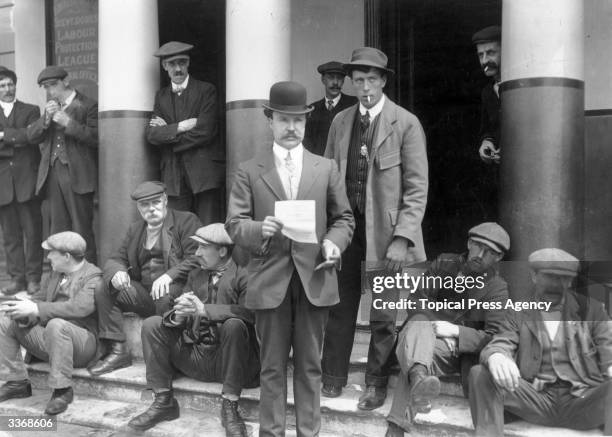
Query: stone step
{"type": "Point", "coordinates": [121, 394]}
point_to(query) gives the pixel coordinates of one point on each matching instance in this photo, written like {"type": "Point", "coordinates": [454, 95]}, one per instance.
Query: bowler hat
{"type": "Point", "coordinates": [331, 67]}
{"type": "Point", "coordinates": [52, 72]}
{"type": "Point", "coordinates": [554, 261]}
{"type": "Point", "coordinates": [288, 97]}
{"type": "Point", "coordinates": [173, 50]}
{"type": "Point", "coordinates": [67, 242]}
{"type": "Point", "coordinates": [148, 190]}
{"type": "Point", "coordinates": [491, 234]}
{"type": "Point", "coordinates": [488, 34]}
{"type": "Point", "coordinates": [367, 57]}
{"type": "Point", "coordinates": [214, 233]}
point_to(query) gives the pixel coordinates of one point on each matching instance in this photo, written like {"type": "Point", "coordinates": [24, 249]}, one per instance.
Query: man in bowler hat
{"type": "Point", "coordinates": [68, 170]}
{"type": "Point", "coordinates": [20, 215]}
{"type": "Point", "coordinates": [380, 149]}
{"type": "Point", "coordinates": [554, 367]}
{"type": "Point", "coordinates": [291, 284]}
{"type": "Point", "coordinates": [185, 129]}
{"type": "Point", "coordinates": [209, 335]}
{"type": "Point", "coordinates": [434, 343]}
{"type": "Point", "coordinates": [146, 272]}
{"type": "Point", "coordinates": [324, 110]}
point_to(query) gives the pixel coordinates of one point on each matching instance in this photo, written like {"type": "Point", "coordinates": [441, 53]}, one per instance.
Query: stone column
{"type": "Point", "coordinates": [542, 94]}
{"type": "Point", "coordinates": [129, 77]}
{"type": "Point", "coordinates": [258, 54]}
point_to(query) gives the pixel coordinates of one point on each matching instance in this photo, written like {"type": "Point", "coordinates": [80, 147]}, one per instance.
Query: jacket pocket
{"type": "Point", "coordinates": [392, 213]}
{"type": "Point", "coordinates": [389, 160]}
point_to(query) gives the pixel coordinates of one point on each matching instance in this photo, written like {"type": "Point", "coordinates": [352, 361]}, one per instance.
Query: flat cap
{"type": "Point", "coordinates": [213, 234]}
{"type": "Point", "coordinates": [554, 261]}
{"type": "Point", "coordinates": [5, 72]}
{"type": "Point", "coordinates": [68, 241]}
{"type": "Point", "coordinates": [148, 190]}
{"type": "Point", "coordinates": [491, 234]}
{"type": "Point", "coordinates": [488, 34]}
{"type": "Point", "coordinates": [52, 72]}
{"type": "Point", "coordinates": [173, 50]}
{"type": "Point", "coordinates": [331, 67]}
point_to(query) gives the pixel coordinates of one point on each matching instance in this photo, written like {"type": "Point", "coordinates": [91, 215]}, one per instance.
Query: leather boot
{"type": "Point", "coordinates": [373, 398]}
{"type": "Point", "coordinates": [15, 389]}
{"type": "Point", "coordinates": [60, 399]}
{"type": "Point", "coordinates": [164, 407]}
{"type": "Point", "coordinates": [423, 388]}
{"type": "Point", "coordinates": [231, 420]}
{"type": "Point", "coordinates": [12, 288]}
{"type": "Point", "coordinates": [118, 357]}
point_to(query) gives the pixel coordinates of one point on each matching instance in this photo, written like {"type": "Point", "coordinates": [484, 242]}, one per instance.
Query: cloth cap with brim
{"type": "Point", "coordinates": [5, 72]}
{"type": "Point", "coordinates": [488, 34]}
{"type": "Point", "coordinates": [214, 233]}
{"type": "Point", "coordinates": [491, 234]}
{"type": "Point", "coordinates": [367, 57]}
{"type": "Point", "coordinates": [52, 72]}
{"type": "Point", "coordinates": [173, 50]}
{"type": "Point", "coordinates": [67, 242]}
{"type": "Point", "coordinates": [288, 97]}
{"type": "Point", "coordinates": [331, 67]}
{"type": "Point", "coordinates": [554, 261]}
{"type": "Point", "coordinates": [148, 190]}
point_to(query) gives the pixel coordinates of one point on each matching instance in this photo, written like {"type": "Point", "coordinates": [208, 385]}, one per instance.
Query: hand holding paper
{"type": "Point", "coordinates": [270, 226]}
{"type": "Point", "coordinates": [298, 220]}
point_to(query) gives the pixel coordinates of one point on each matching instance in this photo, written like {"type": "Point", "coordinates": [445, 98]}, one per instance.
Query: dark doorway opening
{"type": "Point", "coordinates": [438, 78]}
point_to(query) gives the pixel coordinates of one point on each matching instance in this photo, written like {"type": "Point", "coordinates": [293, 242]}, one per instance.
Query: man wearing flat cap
{"type": "Point", "coordinates": [185, 129]}
{"type": "Point", "coordinates": [68, 170]}
{"type": "Point", "coordinates": [20, 215]}
{"type": "Point", "coordinates": [58, 324]}
{"type": "Point", "coordinates": [380, 149]}
{"type": "Point", "coordinates": [292, 282]}
{"type": "Point", "coordinates": [435, 343]}
{"type": "Point", "coordinates": [146, 272]}
{"type": "Point", "coordinates": [324, 110]}
{"type": "Point", "coordinates": [209, 335]}
{"type": "Point", "coordinates": [554, 367]}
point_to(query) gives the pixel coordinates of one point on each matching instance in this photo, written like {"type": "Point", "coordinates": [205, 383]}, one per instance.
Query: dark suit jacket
{"type": "Point", "coordinates": [228, 303]}
{"type": "Point", "coordinates": [317, 126]}
{"type": "Point", "coordinates": [490, 114]}
{"type": "Point", "coordinates": [177, 246]}
{"type": "Point", "coordinates": [75, 302]}
{"type": "Point", "coordinates": [81, 136]}
{"type": "Point", "coordinates": [19, 158]}
{"type": "Point", "coordinates": [588, 339]}
{"type": "Point", "coordinates": [257, 186]}
{"type": "Point", "coordinates": [398, 180]}
{"type": "Point", "coordinates": [199, 149]}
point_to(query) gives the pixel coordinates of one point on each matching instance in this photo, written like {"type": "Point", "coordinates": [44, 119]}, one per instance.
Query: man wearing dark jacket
{"type": "Point", "coordinates": [146, 272]}
{"type": "Point", "coordinates": [445, 342]}
{"type": "Point", "coordinates": [184, 127]}
{"type": "Point", "coordinates": [554, 367]}
{"type": "Point", "coordinates": [68, 170]}
{"type": "Point", "coordinates": [324, 110]}
{"type": "Point", "coordinates": [209, 335]}
{"type": "Point", "coordinates": [57, 325]}
{"type": "Point", "coordinates": [20, 215]}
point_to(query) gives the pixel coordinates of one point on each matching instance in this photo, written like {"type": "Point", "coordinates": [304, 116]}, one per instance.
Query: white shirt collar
{"type": "Point", "coordinates": [181, 85]}
{"type": "Point", "coordinates": [7, 107]}
{"type": "Point", "coordinates": [69, 99]}
{"type": "Point", "coordinates": [335, 100]}
{"type": "Point", "coordinates": [280, 153]}
{"type": "Point", "coordinates": [290, 181]}
{"type": "Point", "coordinates": [374, 110]}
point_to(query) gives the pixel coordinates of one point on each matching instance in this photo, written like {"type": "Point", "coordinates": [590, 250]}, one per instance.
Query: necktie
{"type": "Point", "coordinates": [365, 120]}
{"type": "Point", "coordinates": [330, 104]}
{"type": "Point", "coordinates": [290, 165]}
{"type": "Point", "coordinates": [178, 90]}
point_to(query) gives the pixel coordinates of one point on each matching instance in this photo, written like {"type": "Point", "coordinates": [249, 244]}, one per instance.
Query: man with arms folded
{"type": "Point", "coordinates": [552, 368]}
{"type": "Point", "coordinates": [447, 342]}
{"type": "Point", "coordinates": [57, 325]}
{"type": "Point", "coordinates": [291, 285]}
{"type": "Point", "coordinates": [209, 335]}
{"type": "Point", "coordinates": [146, 272]}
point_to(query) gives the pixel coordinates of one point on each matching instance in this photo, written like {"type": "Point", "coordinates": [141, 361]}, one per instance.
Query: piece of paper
{"type": "Point", "coordinates": [299, 219]}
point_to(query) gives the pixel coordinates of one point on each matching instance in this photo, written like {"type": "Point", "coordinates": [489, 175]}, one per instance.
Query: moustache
{"type": "Point", "coordinates": [490, 65]}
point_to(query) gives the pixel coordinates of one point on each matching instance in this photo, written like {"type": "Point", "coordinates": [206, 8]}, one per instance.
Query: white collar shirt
{"type": "Point", "coordinates": [68, 100]}
{"type": "Point", "coordinates": [7, 107]}
{"type": "Point", "coordinates": [179, 88]}
{"type": "Point", "coordinates": [334, 101]}
{"type": "Point", "coordinates": [374, 110]}
{"type": "Point", "coordinates": [289, 179]}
